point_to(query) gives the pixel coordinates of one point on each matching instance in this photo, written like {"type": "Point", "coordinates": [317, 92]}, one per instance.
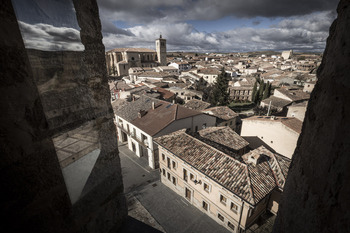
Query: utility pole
{"type": "Point", "coordinates": [268, 111]}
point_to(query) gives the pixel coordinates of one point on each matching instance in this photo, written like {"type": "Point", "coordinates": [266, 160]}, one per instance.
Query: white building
{"type": "Point", "coordinates": [142, 120]}
{"type": "Point", "coordinates": [279, 133]}
{"type": "Point", "coordinates": [232, 190]}
{"type": "Point", "coordinates": [181, 66]}
{"type": "Point", "coordinates": [209, 74]}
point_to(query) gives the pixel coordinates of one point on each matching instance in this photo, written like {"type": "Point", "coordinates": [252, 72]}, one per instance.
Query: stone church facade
{"type": "Point", "coordinates": [119, 60]}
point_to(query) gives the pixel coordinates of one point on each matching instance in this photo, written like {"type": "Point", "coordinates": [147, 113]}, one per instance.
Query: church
{"type": "Point", "coordinates": [119, 60]}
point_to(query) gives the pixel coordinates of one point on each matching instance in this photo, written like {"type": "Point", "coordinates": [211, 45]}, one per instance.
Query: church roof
{"type": "Point", "coordinates": [134, 50]}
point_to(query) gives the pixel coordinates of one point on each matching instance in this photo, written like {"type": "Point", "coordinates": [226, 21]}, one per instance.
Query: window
{"type": "Point", "coordinates": [185, 175]}
{"type": "Point", "coordinates": [188, 194]}
{"type": "Point", "coordinates": [223, 199]}
{"type": "Point", "coordinates": [204, 126]}
{"type": "Point", "coordinates": [163, 172]}
{"type": "Point", "coordinates": [133, 147]}
{"type": "Point", "coordinates": [230, 225]}
{"type": "Point", "coordinates": [174, 165]}
{"type": "Point", "coordinates": [192, 177]}
{"type": "Point", "coordinates": [205, 205]}
{"type": "Point", "coordinates": [234, 207]}
{"type": "Point", "coordinates": [271, 141]}
{"type": "Point", "coordinates": [168, 162]}
{"type": "Point", "coordinates": [231, 122]}
{"type": "Point", "coordinates": [163, 157]}
{"type": "Point", "coordinates": [226, 124]}
{"type": "Point", "coordinates": [206, 187]}
{"type": "Point", "coordinates": [174, 181]}
{"type": "Point", "coordinates": [168, 175]}
{"type": "Point", "coordinates": [221, 217]}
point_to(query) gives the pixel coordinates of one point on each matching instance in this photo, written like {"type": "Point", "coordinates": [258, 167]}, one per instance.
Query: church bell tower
{"type": "Point", "coordinates": [161, 50]}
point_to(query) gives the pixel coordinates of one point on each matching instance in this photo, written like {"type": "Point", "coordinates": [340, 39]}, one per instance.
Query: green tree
{"type": "Point", "coordinates": [261, 90]}
{"type": "Point", "coordinates": [219, 95]}
{"type": "Point", "coordinates": [255, 91]}
{"type": "Point", "coordinates": [266, 91]}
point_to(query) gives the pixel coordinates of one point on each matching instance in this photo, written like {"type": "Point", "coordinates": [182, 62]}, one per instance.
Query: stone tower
{"type": "Point", "coordinates": [161, 50]}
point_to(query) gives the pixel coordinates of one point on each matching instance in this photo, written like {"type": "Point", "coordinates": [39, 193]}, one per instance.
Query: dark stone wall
{"type": "Point", "coordinates": [316, 196]}
{"type": "Point", "coordinates": [43, 96]}
{"type": "Point", "coordinates": [34, 196]}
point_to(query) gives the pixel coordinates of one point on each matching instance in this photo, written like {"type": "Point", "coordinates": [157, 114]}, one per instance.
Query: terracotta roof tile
{"type": "Point", "coordinates": [248, 181]}
{"type": "Point", "coordinates": [154, 120]}
{"type": "Point", "coordinates": [224, 135]}
{"type": "Point", "coordinates": [222, 112]}
{"type": "Point", "coordinates": [196, 104]}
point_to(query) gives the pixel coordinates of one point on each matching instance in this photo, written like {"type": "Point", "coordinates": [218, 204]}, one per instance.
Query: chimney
{"type": "Point", "coordinates": [253, 159]}
{"type": "Point", "coordinates": [141, 113]}
{"type": "Point", "coordinates": [153, 105]}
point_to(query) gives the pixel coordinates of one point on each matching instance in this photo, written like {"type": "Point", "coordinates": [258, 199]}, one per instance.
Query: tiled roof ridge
{"type": "Point", "coordinates": [279, 165]}
{"type": "Point", "coordinates": [235, 160]}
{"type": "Point", "coordinates": [183, 131]}
{"type": "Point", "coordinates": [250, 184]}
{"type": "Point", "coordinates": [273, 172]}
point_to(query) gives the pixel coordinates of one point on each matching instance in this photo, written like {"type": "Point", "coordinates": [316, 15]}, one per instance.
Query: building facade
{"type": "Point", "coordinates": [269, 131]}
{"type": "Point", "coordinates": [217, 184]}
{"type": "Point", "coordinates": [120, 60]}
{"type": "Point", "coordinates": [140, 121]}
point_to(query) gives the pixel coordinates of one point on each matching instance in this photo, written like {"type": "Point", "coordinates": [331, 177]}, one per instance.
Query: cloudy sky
{"type": "Point", "coordinates": [188, 25]}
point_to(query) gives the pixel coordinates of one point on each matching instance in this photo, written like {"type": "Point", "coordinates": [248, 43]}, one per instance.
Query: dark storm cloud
{"type": "Point", "coordinates": [108, 27]}
{"type": "Point", "coordinates": [141, 11]}
{"type": "Point", "coordinates": [298, 33]}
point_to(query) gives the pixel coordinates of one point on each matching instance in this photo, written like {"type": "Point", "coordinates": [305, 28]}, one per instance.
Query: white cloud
{"type": "Point", "coordinates": [307, 33]}
{"type": "Point", "coordinates": [47, 37]}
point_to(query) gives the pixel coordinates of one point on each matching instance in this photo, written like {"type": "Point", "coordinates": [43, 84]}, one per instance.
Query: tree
{"type": "Point", "coordinates": [219, 95]}
{"type": "Point", "coordinates": [261, 90]}
{"type": "Point", "coordinates": [266, 91]}
{"type": "Point", "coordinates": [255, 91]}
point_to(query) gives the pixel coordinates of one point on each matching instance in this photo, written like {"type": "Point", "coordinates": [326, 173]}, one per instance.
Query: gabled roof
{"type": "Point", "coordinates": [165, 94]}
{"type": "Point", "coordinates": [130, 110]}
{"type": "Point", "coordinates": [222, 112]}
{"type": "Point", "coordinates": [196, 104]}
{"type": "Point", "coordinates": [276, 102]}
{"type": "Point", "coordinates": [250, 182]}
{"type": "Point", "coordinates": [294, 95]}
{"type": "Point", "coordinates": [224, 135]}
{"type": "Point", "coordinates": [154, 120]}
